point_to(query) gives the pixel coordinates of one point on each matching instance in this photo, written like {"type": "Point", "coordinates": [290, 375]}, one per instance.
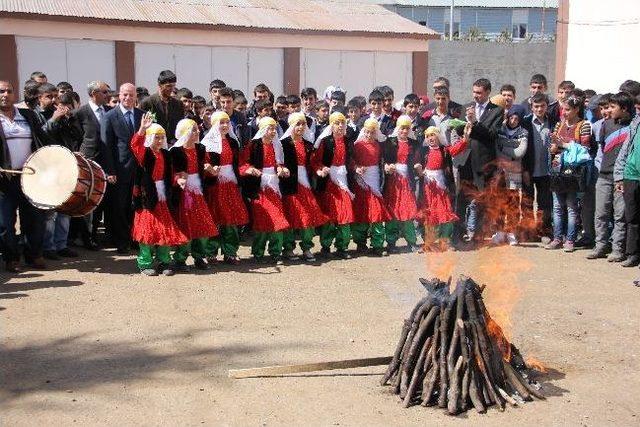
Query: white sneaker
{"type": "Point", "coordinates": [511, 238]}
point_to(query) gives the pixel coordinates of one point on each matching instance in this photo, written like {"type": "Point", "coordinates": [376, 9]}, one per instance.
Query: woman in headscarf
{"type": "Point", "coordinates": [300, 205]}
{"type": "Point", "coordinates": [192, 214]}
{"type": "Point", "coordinates": [261, 166]}
{"type": "Point", "coordinates": [153, 226]}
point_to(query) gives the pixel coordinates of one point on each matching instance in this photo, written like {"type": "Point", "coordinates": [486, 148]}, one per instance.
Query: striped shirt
{"type": "Point", "coordinates": [18, 135]}
{"type": "Point", "coordinates": [580, 132]}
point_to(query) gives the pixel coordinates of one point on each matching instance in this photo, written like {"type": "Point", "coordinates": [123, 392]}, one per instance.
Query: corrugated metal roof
{"type": "Point", "coordinates": [300, 15]}
{"type": "Point", "coordinates": [510, 4]}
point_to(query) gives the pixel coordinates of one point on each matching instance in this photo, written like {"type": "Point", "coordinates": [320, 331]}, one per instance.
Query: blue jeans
{"type": "Point", "coordinates": [56, 231]}
{"type": "Point", "coordinates": [472, 216]}
{"type": "Point", "coordinates": [565, 209]}
{"type": "Point", "coordinates": [31, 223]}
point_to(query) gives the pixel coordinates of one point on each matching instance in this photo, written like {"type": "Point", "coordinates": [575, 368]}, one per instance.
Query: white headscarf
{"type": "Point", "coordinates": [403, 121]}
{"type": "Point", "coordinates": [184, 130]}
{"type": "Point", "coordinates": [213, 139]}
{"type": "Point", "coordinates": [373, 125]}
{"type": "Point", "coordinates": [329, 91]}
{"type": "Point", "coordinates": [151, 132]}
{"type": "Point", "coordinates": [328, 130]}
{"type": "Point", "coordinates": [263, 124]}
{"type": "Point", "coordinates": [293, 119]}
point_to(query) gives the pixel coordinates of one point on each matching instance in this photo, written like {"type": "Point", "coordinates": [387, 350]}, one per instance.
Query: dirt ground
{"type": "Point", "coordinates": [94, 343]}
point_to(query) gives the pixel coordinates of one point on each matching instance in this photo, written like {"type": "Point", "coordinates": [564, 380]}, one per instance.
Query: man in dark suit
{"type": "Point", "coordinates": [479, 167]}
{"type": "Point", "coordinates": [20, 135]}
{"type": "Point", "coordinates": [116, 129]}
{"type": "Point", "coordinates": [167, 109]}
{"type": "Point", "coordinates": [89, 117]}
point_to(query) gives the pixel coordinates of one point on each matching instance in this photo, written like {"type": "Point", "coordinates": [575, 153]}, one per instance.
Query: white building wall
{"type": "Point", "coordinates": [356, 72]}
{"type": "Point", "coordinates": [75, 61]}
{"type": "Point", "coordinates": [600, 45]}
{"type": "Point", "coordinates": [195, 66]}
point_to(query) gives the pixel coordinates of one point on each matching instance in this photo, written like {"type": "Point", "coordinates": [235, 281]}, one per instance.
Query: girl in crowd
{"type": "Point", "coordinates": [153, 226]}
{"type": "Point", "coordinates": [192, 216]}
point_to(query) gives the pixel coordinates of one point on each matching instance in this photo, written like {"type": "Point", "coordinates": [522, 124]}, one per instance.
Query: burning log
{"type": "Point", "coordinates": [452, 354]}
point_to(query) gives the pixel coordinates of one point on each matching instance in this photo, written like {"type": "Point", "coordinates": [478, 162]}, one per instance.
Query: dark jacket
{"type": "Point", "coordinates": [328, 149]}
{"type": "Point", "coordinates": [145, 195]}
{"type": "Point", "coordinates": [39, 140]}
{"type": "Point", "coordinates": [91, 141]}
{"type": "Point", "coordinates": [179, 164]}
{"type": "Point", "coordinates": [215, 161]}
{"type": "Point", "coordinates": [390, 154]}
{"type": "Point", "coordinates": [117, 158]}
{"type": "Point", "coordinates": [482, 142]}
{"type": "Point", "coordinates": [168, 120]}
{"type": "Point", "coordinates": [65, 131]}
{"type": "Point", "coordinates": [250, 183]}
{"type": "Point", "coordinates": [289, 185]}
{"type": "Point", "coordinates": [528, 161]}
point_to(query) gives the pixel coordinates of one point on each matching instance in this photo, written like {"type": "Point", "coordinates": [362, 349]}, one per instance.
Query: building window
{"type": "Point", "coordinates": [423, 23]}
{"type": "Point", "coordinates": [456, 29]}
{"type": "Point", "coordinates": [519, 31]}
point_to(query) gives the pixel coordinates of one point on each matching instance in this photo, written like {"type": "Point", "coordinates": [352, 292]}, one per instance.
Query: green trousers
{"type": "Point", "coordinates": [440, 231]}
{"type": "Point", "coordinates": [146, 255]}
{"type": "Point", "coordinates": [305, 235]}
{"type": "Point", "coordinates": [196, 247]}
{"type": "Point", "coordinates": [362, 230]}
{"type": "Point", "coordinates": [340, 232]}
{"type": "Point", "coordinates": [396, 229]}
{"type": "Point", "coordinates": [275, 239]}
{"type": "Point", "coordinates": [228, 242]}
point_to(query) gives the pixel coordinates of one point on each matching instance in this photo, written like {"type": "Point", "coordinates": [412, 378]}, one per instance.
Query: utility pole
{"type": "Point", "coordinates": [451, 20]}
{"type": "Point", "coordinates": [544, 8]}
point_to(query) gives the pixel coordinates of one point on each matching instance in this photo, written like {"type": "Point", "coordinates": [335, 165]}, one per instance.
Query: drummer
{"type": "Point", "coordinates": [20, 136]}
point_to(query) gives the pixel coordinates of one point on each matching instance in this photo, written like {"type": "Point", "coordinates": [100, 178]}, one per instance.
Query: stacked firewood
{"type": "Point", "coordinates": [453, 355]}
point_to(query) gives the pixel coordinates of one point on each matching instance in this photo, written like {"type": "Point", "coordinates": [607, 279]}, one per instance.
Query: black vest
{"type": "Point", "coordinates": [250, 183]}
{"type": "Point", "coordinates": [329, 147]}
{"type": "Point", "coordinates": [390, 155]}
{"type": "Point", "coordinates": [215, 161]}
{"type": "Point", "coordinates": [179, 164]}
{"type": "Point", "coordinates": [145, 193]}
{"type": "Point", "coordinates": [290, 185]}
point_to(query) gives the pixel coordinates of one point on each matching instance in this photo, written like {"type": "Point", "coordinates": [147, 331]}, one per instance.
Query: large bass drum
{"type": "Point", "coordinates": [63, 180]}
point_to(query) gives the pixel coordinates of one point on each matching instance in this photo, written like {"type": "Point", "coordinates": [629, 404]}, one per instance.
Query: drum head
{"type": "Point", "coordinates": [55, 177]}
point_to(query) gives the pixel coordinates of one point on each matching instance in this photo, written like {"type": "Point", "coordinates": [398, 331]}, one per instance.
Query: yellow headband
{"type": "Point", "coordinates": [404, 121]}
{"type": "Point", "coordinates": [184, 126]}
{"type": "Point", "coordinates": [296, 117]}
{"type": "Point", "coordinates": [371, 124]}
{"type": "Point", "coordinates": [498, 100]}
{"type": "Point", "coordinates": [431, 130]}
{"type": "Point", "coordinates": [155, 129]}
{"type": "Point", "coordinates": [219, 116]}
{"type": "Point", "coordinates": [336, 117]}
{"type": "Point", "coordinates": [266, 121]}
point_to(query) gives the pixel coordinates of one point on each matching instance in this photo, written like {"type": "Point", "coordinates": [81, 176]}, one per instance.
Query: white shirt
{"type": "Point", "coordinates": [480, 109]}
{"type": "Point", "coordinates": [97, 110]}
{"type": "Point", "coordinates": [18, 135]}
{"type": "Point", "coordinates": [124, 110]}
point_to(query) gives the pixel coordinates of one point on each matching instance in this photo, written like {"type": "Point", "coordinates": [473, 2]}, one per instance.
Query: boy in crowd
{"type": "Point", "coordinates": [508, 92]}
{"type": "Point", "coordinates": [238, 120]}
{"type": "Point", "coordinates": [322, 117]}
{"type": "Point", "coordinates": [538, 84]}
{"type": "Point", "coordinates": [240, 104]}
{"type": "Point", "coordinates": [537, 161]}
{"type": "Point", "coordinates": [387, 104]}
{"type": "Point", "coordinates": [47, 98]}
{"type": "Point", "coordinates": [214, 92]}
{"type": "Point", "coordinates": [376, 101]}
{"type": "Point", "coordinates": [309, 98]}
{"type": "Point", "coordinates": [185, 96]}
{"type": "Point", "coordinates": [64, 87]}
{"type": "Point", "coordinates": [411, 105]}
{"type": "Point", "coordinates": [260, 92]}
{"type": "Point", "coordinates": [263, 108]}
{"type": "Point", "coordinates": [609, 204]}
{"type": "Point", "coordinates": [338, 99]}
{"type": "Point", "coordinates": [354, 112]}
{"type": "Point", "coordinates": [282, 111]}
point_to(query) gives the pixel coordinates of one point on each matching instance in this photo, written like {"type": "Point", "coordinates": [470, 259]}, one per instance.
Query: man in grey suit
{"type": "Point", "coordinates": [116, 129]}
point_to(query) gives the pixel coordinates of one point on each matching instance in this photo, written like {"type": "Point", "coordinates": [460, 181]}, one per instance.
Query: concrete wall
{"type": "Point", "coordinates": [356, 72]}
{"type": "Point", "coordinates": [464, 62]}
{"type": "Point", "coordinates": [596, 26]}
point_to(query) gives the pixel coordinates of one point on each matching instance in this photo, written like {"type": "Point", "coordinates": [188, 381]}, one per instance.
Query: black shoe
{"type": "Point", "coordinates": [325, 252]}
{"type": "Point", "coordinates": [91, 245]}
{"type": "Point", "coordinates": [123, 250]}
{"type": "Point", "coordinates": [342, 254]}
{"type": "Point", "coordinates": [180, 267]}
{"type": "Point", "coordinates": [200, 264]}
{"type": "Point", "coordinates": [392, 249]}
{"type": "Point", "coordinates": [308, 256]}
{"type": "Point", "coordinates": [12, 267]}
{"type": "Point", "coordinates": [67, 253]}
{"type": "Point", "coordinates": [231, 260]}
{"type": "Point", "coordinates": [377, 252]}
{"type": "Point", "coordinates": [276, 259]}
{"type": "Point", "coordinates": [148, 272]}
{"type": "Point", "coordinates": [361, 248]}
{"type": "Point", "coordinates": [584, 243]}
{"type": "Point", "coordinates": [632, 261]}
{"type": "Point", "coordinates": [52, 255]}
{"type": "Point", "coordinates": [165, 270]}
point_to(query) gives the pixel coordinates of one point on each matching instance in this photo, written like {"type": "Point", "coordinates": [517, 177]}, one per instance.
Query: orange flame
{"type": "Point", "coordinates": [533, 363]}
{"type": "Point", "coordinates": [497, 335]}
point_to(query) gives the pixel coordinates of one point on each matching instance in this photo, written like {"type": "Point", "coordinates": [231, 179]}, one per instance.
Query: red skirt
{"type": "Point", "coordinates": [194, 218]}
{"type": "Point", "coordinates": [437, 206]}
{"type": "Point", "coordinates": [156, 227]}
{"type": "Point", "coordinates": [336, 204]}
{"type": "Point", "coordinates": [302, 210]}
{"type": "Point", "coordinates": [369, 208]}
{"type": "Point", "coordinates": [226, 204]}
{"type": "Point", "coordinates": [268, 212]}
{"type": "Point", "coordinates": [400, 200]}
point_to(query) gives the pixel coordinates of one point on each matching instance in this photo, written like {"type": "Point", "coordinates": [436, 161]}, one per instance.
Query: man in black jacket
{"type": "Point", "coordinates": [116, 129]}
{"type": "Point", "coordinates": [20, 135]}
{"type": "Point", "coordinates": [478, 169]}
{"type": "Point", "coordinates": [168, 110]}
